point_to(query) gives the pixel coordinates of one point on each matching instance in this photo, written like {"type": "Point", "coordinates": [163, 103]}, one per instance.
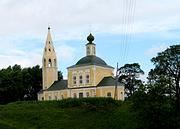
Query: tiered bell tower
{"type": "Point", "coordinates": [49, 63]}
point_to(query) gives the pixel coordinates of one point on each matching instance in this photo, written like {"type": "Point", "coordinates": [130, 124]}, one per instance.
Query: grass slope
{"type": "Point", "coordinates": [89, 113]}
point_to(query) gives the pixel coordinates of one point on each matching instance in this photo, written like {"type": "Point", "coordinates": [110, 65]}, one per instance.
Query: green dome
{"type": "Point", "coordinates": [93, 60]}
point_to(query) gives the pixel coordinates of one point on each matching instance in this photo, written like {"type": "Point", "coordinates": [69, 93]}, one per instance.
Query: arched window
{"type": "Point", "coordinates": [74, 80]}
{"type": "Point", "coordinates": [55, 97]}
{"type": "Point", "coordinates": [80, 79]}
{"type": "Point", "coordinates": [44, 62]}
{"type": "Point", "coordinates": [55, 62]}
{"type": "Point", "coordinates": [49, 63]}
{"type": "Point", "coordinates": [62, 97]}
{"type": "Point", "coordinates": [121, 95]}
{"type": "Point", "coordinates": [49, 97]}
{"type": "Point", "coordinates": [87, 94]}
{"type": "Point", "coordinates": [81, 95]}
{"type": "Point", "coordinates": [74, 95]}
{"type": "Point", "coordinates": [109, 94]}
{"type": "Point", "coordinates": [87, 79]}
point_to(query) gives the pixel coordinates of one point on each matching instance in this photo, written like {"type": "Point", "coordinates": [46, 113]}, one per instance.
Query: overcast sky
{"type": "Point", "coordinates": [126, 31]}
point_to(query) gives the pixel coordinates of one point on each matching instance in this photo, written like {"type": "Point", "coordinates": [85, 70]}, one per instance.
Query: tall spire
{"type": "Point", "coordinates": [49, 35]}
{"type": "Point", "coordinates": [49, 63]}
{"type": "Point", "coordinates": [49, 28]}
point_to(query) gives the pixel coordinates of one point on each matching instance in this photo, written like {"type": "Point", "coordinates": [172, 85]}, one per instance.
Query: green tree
{"type": "Point", "coordinates": [155, 106]}
{"type": "Point", "coordinates": [32, 81]}
{"type": "Point", "coordinates": [11, 85]}
{"type": "Point", "coordinates": [129, 74]}
{"type": "Point", "coordinates": [166, 73]}
{"type": "Point", "coordinates": [21, 84]}
{"type": "Point", "coordinates": [60, 76]}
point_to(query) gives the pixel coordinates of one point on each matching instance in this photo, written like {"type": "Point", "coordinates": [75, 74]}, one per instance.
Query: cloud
{"type": "Point", "coordinates": [24, 20]}
{"type": "Point", "coordinates": [65, 53]}
{"type": "Point", "coordinates": [30, 18]}
{"type": "Point", "coordinates": [29, 52]}
{"type": "Point", "coordinates": [25, 59]}
{"type": "Point", "coordinates": [155, 49]}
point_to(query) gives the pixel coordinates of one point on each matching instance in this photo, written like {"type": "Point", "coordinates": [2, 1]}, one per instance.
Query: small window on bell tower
{"type": "Point", "coordinates": [55, 62]}
{"type": "Point", "coordinates": [49, 63]}
{"type": "Point", "coordinates": [44, 62]}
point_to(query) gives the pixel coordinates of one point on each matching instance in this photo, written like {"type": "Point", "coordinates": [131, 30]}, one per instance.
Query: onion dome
{"type": "Point", "coordinates": [90, 38]}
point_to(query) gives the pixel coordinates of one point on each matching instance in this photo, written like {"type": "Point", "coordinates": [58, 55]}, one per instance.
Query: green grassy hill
{"type": "Point", "coordinates": [89, 113]}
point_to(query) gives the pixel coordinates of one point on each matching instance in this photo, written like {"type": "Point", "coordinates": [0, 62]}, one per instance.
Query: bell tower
{"type": "Point", "coordinates": [49, 63]}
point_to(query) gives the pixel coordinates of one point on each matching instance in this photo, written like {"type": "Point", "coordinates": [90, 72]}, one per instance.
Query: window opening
{"type": "Point", "coordinates": [87, 94]}
{"type": "Point", "coordinates": [54, 62]}
{"type": "Point", "coordinates": [44, 62]}
{"type": "Point", "coordinates": [74, 80]}
{"type": "Point", "coordinates": [49, 63]}
{"type": "Point", "coordinates": [81, 95]}
{"type": "Point", "coordinates": [74, 95]}
{"type": "Point", "coordinates": [80, 79]}
{"type": "Point", "coordinates": [109, 94]}
{"type": "Point", "coordinates": [49, 97]}
{"type": "Point", "coordinates": [87, 79]}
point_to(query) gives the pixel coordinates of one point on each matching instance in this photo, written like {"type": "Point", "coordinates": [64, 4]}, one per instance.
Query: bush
{"type": "Point", "coordinates": [88, 102]}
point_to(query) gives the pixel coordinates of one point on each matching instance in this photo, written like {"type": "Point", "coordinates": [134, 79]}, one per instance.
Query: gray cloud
{"type": "Point", "coordinates": [31, 17]}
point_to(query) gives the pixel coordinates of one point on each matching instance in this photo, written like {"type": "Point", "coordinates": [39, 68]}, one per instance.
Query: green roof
{"type": "Point", "coordinates": [58, 85]}
{"type": "Point", "coordinates": [62, 84]}
{"type": "Point", "coordinates": [108, 81]}
{"type": "Point", "coordinates": [91, 60]}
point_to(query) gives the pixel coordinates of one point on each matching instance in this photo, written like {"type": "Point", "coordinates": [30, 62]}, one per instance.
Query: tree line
{"type": "Point", "coordinates": [156, 104]}
{"type": "Point", "coordinates": [17, 83]}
